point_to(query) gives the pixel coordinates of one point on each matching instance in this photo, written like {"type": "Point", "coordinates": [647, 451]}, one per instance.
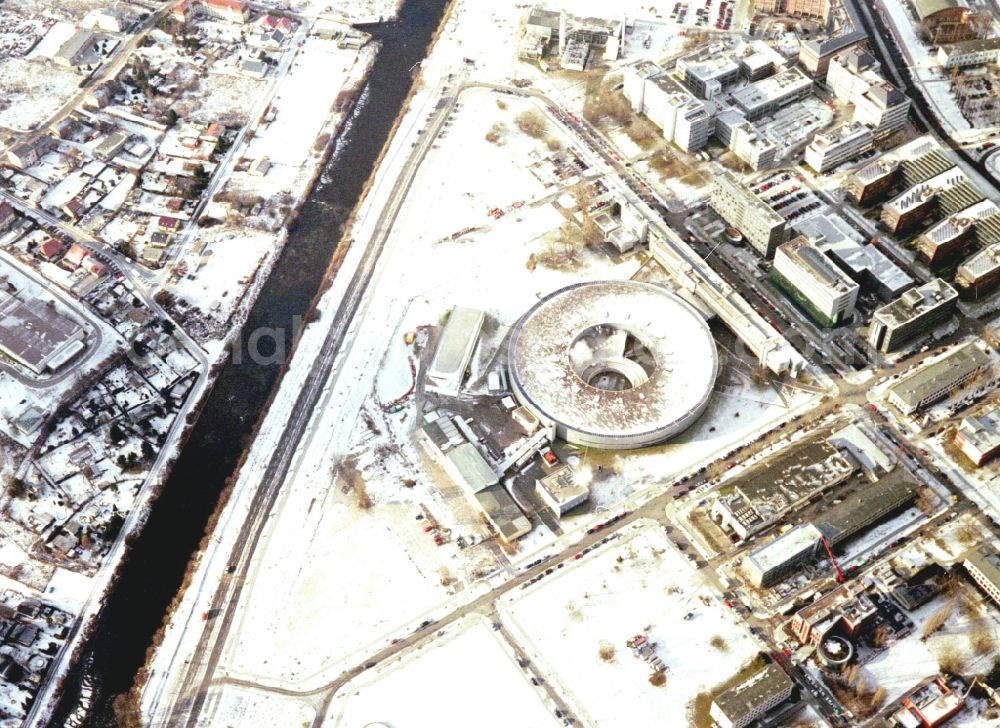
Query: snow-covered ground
{"type": "Point", "coordinates": [32, 91]}
{"type": "Point", "coordinates": [467, 677]}
{"type": "Point", "coordinates": [639, 584]}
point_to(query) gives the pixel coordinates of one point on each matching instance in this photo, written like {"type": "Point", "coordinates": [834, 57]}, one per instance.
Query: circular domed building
{"type": "Point", "coordinates": [613, 364]}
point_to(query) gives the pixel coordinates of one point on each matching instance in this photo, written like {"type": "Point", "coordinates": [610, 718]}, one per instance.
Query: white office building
{"type": "Point", "coordinates": [819, 286]}
{"type": "Point", "coordinates": [828, 150]}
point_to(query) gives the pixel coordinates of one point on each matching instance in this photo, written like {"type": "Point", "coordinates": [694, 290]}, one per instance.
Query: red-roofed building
{"type": "Point", "coordinates": [168, 224]}
{"type": "Point", "coordinates": [75, 255]}
{"type": "Point", "coordinates": [50, 249]}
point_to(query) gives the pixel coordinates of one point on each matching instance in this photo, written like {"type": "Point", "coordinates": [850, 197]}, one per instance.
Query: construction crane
{"type": "Point", "coordinates": [833, 560]}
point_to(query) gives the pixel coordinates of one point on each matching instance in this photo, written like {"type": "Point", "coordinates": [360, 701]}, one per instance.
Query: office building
{"type": "Point", "coordinates": [934, 382]}
{"type": "Point", "coordinates": [763, 228]}
{"type": "Point", "coordinates": [983, 564]}
{"type": "Point", "coordinates": [707, 75]}
{"type": "Point", "coordinates": [828, 150]}
{"type": "Point", "coordinates": [945, 193]}
{"type": "Point", "coordinates": [916, 312]}
{"type": "Point", "coordinates": [767, 565]}
{"type": "Point", "coordinates": [952, 237]}
{"type": "Point", "coordinates": [683, 119]}
{"type": "Point", "coordinates": [980, 274]}
{"type": "Point", "coordinates": [814, 282]}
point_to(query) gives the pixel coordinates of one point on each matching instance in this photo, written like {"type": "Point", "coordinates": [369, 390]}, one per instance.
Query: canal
{"type": "Point", "coordinates": [155, 566]}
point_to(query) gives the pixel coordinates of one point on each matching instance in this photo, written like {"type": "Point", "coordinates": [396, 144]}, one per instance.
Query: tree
{"type": "Point", "coordinates": [115, 433]}
{"type": "Point", "coordinates": [148, 453]}
{"type": "Point", "coordinates": [113, 527]}
{"type": "Point", "coordinates": [171, 117]}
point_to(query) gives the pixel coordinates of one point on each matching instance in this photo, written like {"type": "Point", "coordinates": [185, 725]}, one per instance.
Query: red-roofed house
{"type": "Point", "coordinates": [50, 249]}
{"type": "Point", "coordinates": [75, 255]}
{"type": "Point", "coordinates": [7, 216]}
{"type": "Point", "coordinates": [168, 224]}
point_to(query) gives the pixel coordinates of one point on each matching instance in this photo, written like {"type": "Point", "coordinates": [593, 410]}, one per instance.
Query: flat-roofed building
{"type": "Point", "coordinates": [766, 492]}
{"type": "Point", "coordinates": [934, 382]}
{"type": "Point", "coordinates": [983, 564]}
{"type": "Point", "coordinates": [769, 564]}
{"type": "Point", "coordinates": [953, 236]}
{"type": "Point", "coordinates": [969, 53]}
{"type": "Point", "coordinates": [865, 264]}
{"type": "Point", "coordinates": [978, 436]}
{"type": "Point", "coordinates": [882, 107]}
{"type": "Point", "coordinates": [828, 150]}
{"type": "Point", "coordinates": [706, 75]}
{"type": "Point", "coordinates": [814, 282]}
{"type": "Point", "coordinates": [845, 76]}
{"type": "Point", "coordinates": [756, 150]}
{"type": "Point", "coordinates": [815, 55]}
{"type": "Point", "coordinates": [561, 492]}
{"type": "Point", "coordinates": [866, 507]}
{"type": "Point", "coordinates": [753, 698]}
{"type": "Point", "coordinates": [795, 8]}
{"type": "Point", "coordinates": [847, 610]}
{"type": "Point", "coordinates": [770, 94]}
{"type": "Point", "coordinates": [454, 351]}
{"type": "Point", "coordinates": [910, 164]}
{"type": "Point", "coordinates": [683, 119]}
{"type": "Point", "coordinates": [36, 334]}
{"type": "Point", "coordinates": [740, 207]}
{"type": "Point", "coordinates": [916, 312]}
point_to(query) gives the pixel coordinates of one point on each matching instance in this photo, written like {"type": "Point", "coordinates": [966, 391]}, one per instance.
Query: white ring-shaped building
{"type": "Point", "coordinates": [613, 364]}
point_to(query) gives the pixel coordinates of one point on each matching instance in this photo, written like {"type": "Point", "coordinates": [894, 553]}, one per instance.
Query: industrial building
{"type": "Point", "coordinates": [978, 437]}
{"type": "Point", "coordinates": [467, 467]}
{"type": "Point", "coordinates": [454, 351]}
{"type": "Point", "coordinates": [866, 507]}
{"type": "Point", "coordinates": [814, 282]}
{"type": "Point", "coordinates": [766, 492]}
{"type": "Point", "coordinates": [613, 364]}
{"type": "Point", "coordinates": [828, 150]}
{"type": "Point", "coordinates": [753, 698]}
{"type": "Point", "coordinates": [770, 94]}
{"type": "Point", "coordinates": [36, 335]}
{"type": "Point", "coordinates": [763, 228]}
{"type": "Point", "coordinates": [917, 311]}
{"type": "Point", "coordinates": [934, 382]}
{"type": "Point", "coordinates": [768, 565]}
{"type": "Point", "coordinates": [865, 264]}
{"type": "Point", "coordinates": [983, 564]}
{"type": "Point", "coordinates": [969, 53]}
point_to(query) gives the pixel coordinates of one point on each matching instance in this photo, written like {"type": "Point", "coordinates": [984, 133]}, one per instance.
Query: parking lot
{"type": "Point", "coordinates": [717, 14]}
{"type": "Point", "coordinates": [787, 194]}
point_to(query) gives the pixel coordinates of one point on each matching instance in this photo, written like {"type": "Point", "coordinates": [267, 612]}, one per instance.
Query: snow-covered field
{"type": "Point", "coordinates": [31, 91]}
{"type": "Point", "coordinates": [467, 677]}
{"type": "Point", "coordinates": [639, 584]}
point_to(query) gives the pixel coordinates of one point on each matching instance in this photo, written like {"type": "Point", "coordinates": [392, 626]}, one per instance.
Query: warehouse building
{"type": "Point", "coordinates": [752, 699]}
{"type": "Point", "coordinates": [36, 335]}
{"type": "Point", "coordinates": [983, 564]}
{"type": "Point", "coordinates": [467, 467]}
{"type": "Point", "coordinates": [866, 507]}
{"type": "Point", "coordinates": [916, 312]}
{"type": "Point", "coordinates": [934, 382]}
{"type": "Point", "coordinates": [763, 228]}
{"type": "Point", "coordinates": [814, 282]}
{"type": "Point", "coordinates": [969, 53]}
{"type": "Point", "coordinates": [454, 351]}
{"type": "Point", "coordinates": [978, 437]}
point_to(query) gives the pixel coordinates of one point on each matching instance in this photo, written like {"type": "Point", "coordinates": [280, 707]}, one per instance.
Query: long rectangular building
{"type": "Point", "coordinates": [454, 351]}
{"type": "Point", "coordinates": [934, 382]}
{"type": "Point", "coordinates": [763, 228]}
{"type": "Point", "coordinates": [814, 282]}
{"type": "Point", "coordinates": [978, 437]}
{"type": "Point", "coordinates": [983, 565]}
